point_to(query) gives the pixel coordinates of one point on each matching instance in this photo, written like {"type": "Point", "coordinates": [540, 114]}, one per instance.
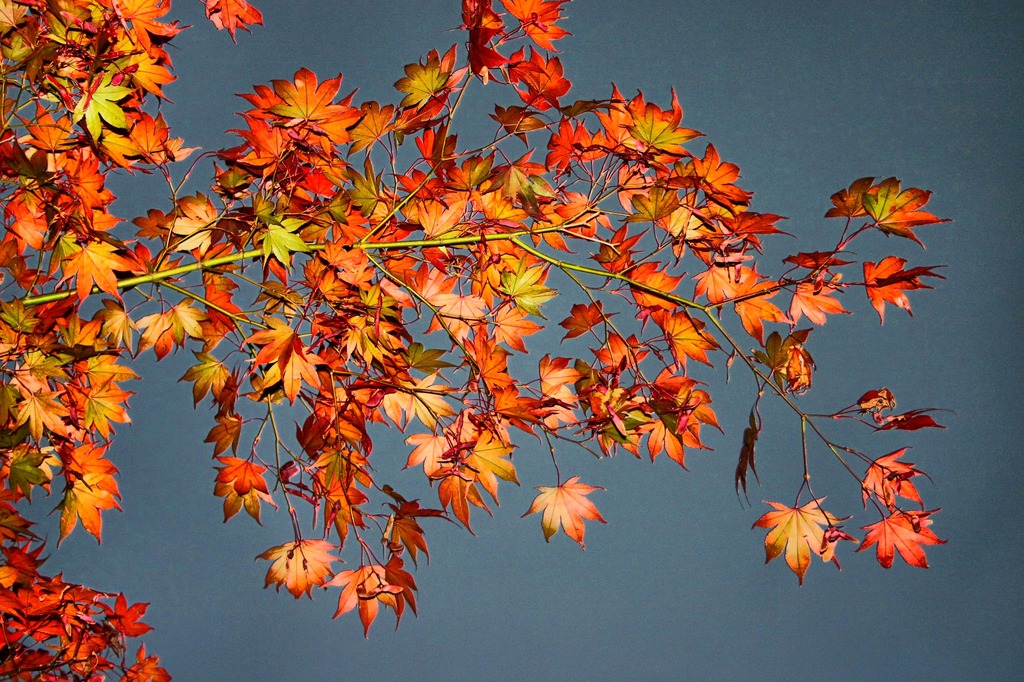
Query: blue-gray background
{"type": "Point", "coordinates": [805, 97]}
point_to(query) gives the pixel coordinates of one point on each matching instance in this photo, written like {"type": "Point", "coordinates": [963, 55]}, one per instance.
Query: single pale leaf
{"type": "Point", "coordinates": [565, 506]}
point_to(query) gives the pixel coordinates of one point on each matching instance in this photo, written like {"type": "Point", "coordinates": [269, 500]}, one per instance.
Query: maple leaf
{"type": "Point", "coordinates": [95, 262]}
{"type": "Point", "coordinates": [717, 283]}
{"type": "Point", "coordinates": [565, 506]}
{"type": "Point", "coordinates": [886, 478]}
{"type": "Point", "coordinates": [652, 276]}
{"type": "Point", "coordinates": [232, 15]}
{"type": "Point", "coordinates": [105, 403]}
{"type": "Point", "coordinates": [903, 532]}
{"type": "Point", "coordinates": [525, 287]}
{"type": "Point", "coordinates": [797, 531]}
{"type": "Point", "coordinates": [428, 401]}
{"type": "Point", "coordinates": [543, 78]}
{"type": "Point", "coordinates": [887, 280]}
{"type": "Point", "coordinates": [667, 434]}
{"type": "Point", "coordinates": [209, 374]}
{"type": "Point", "coordinates": [403, 527]}
{"type": "Point", "coordinates": [756, 309]}
{"type": "Point", "coordinates": [717, 177]}
{"type": "Point", "coordinates": [427, 451]}
{"type": "Point", "coordinates": [425, 81]}
{"type": "Point", "coordinates": [655, 128]}
{"type": "Point", "coordinates": [908, 421]}
{"type": "Point", "coordinates": [165, 330]}
{"type": "Point", "coordinates": [815, 260]}
{"type": "Point", "coordinates": [24, 469]}
{"type": "Point", "coordinates": [148, 73]}
{"type": "Point", "coordinates": [143, 15]}
{"type": "Point", "coordinates": [91, 489]}
{"type": "Point", "coordinates": [582, 318]}
{"type": "Point", "coordinates": [556, 377]}
{"type": "Point", "coordinates": [686, 336]}
{"type": "Point", "coordinates": [117, 324]}
{"type": "Point", "coordinates": [876, 401]}
{"type": "Point", "coordinates": [281, 240]}
{"type": "Point", "coordinates": [849, 203]}
{"type": "Point", "coordinates": [241, 482]}
{"type": "Point", "coordinates": [746, 460]}
{"type": "Point", "coordinates": [537, 19]}
{"type": "Point", "coordinates": [488, 459]}
{"type": "Point", "coordinates": [371, 585]}
{"type": "Point", "coordinates": [194, 220]}
{"type": "Point", "coordinates": [566, 144]}
{"type": "Point", "coordinates": [376, 122]}
{"type": "Point", "coordinates": [300, 565]}
{"type": "Point", "coordinates": [483, 24]}
{"type": "Point", "coordinates": [281, 344]}
{"type": "Point", "coordinates": [791, 364]}
{"type": "Point", "coordinates": [517, 120]}
{"type": "Point", "coordinates": [146, 668]}
{"type": "Point", "coordinates": [511, 327]}
{"type": "Point", "coordinates": [304, 101]}
{"type": "Point", "coordinates": [656, 204]}
{"type": "Point", "coordinates": [814, 303]}
{"type": "Point", "coordinates": [125, 619]}
{"type": "Point", "coordinates": [100, 105]}
{"type": "Point", "coordinates": [458, 493]}
{"type": "Point", "coordinates": [225, 434]}
{"type": "Point", "coordinates": [41, 409]}
{"type": "Point", "coordinates": [895, 212]}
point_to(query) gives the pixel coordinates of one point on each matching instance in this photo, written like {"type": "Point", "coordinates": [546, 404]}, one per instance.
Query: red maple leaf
{"type": "Point", "coordinates": [887, 280]}
{"type": "Point", "coordinates": [903, 532]}
{"type": "Point", "coordinates": [232, 15]}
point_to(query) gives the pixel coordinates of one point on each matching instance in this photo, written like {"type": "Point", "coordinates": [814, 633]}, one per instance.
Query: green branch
{"type": "Point", "coordinates": [162, 275]}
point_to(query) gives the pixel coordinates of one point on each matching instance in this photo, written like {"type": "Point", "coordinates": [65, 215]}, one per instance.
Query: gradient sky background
{"type": "Point", "coordinates": [805, 97]}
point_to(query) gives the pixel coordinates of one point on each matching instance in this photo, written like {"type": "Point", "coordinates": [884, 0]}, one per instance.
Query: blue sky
{"type": "Point", "coordinates": [804, 98]}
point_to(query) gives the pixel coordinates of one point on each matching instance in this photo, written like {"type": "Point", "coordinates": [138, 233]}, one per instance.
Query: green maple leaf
{"type": "Point", "coordinates": [525, 289]}
{"type": "Point", "coordinates": [101, 105]}
{"type": "Point", "coordinates": [281, 240]}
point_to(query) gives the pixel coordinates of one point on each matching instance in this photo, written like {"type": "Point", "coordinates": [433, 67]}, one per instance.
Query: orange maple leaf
{"type": "Point", "coordinates": [754, 309]}
{"type": "Point", "coordinates": [104, 403]}
{"type": "Point", "coordinates": [542, 77]}
{"type": "Point", "coordinates": [686, 336]}
{"type": "Point", "coordinates": [404, 530]}
{"type": "Point", "coordinates": [146, 668]}
{"type": "Point", "coordinates": [299, 565]}
{"type": "Point", "coordinates": [582, 318]}
{"type": "Point", "coordinates": [887, 280]}
{"type": "Point", "coordinates": [797, 531]}
{"type": "Point", "coordinates": [511, 326]}
{"type": "Point", "coordinates": [95, 263]}
{"type": "Point", "coordinates": [814, 303]}
{"type": "Point", "coordinates": [371, 585]}
{"type": "Point", "coordinates": [903, 532]}
{"type": "Point", "coordinates": [91, 489]}
{"type": "Point", "coordinates": [537, 19]}
{"type": "Point", "coordinates": [886, 478]}
{"type": "Point", "coordinates": [241, 482]}
{"type": "Point", "coordinates": [849, 203]}
{"type": "Point", "coordinates": [281, 344]}
{"type": "Point", "coordinates": [232, 15]}
{"type": "Point", "coordinates": [565, 506]}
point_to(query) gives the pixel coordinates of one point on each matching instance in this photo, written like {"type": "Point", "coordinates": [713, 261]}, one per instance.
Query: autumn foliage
{"type": "Point", "coordinates": [354, 265]}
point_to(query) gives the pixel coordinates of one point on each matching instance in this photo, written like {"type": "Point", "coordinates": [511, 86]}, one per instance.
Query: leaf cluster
{"type": "Point", "coordinates": [354, 264]}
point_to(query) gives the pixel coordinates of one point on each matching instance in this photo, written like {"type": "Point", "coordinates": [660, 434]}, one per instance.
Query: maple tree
{"type": "Point", "coordinates": [354, 263]}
